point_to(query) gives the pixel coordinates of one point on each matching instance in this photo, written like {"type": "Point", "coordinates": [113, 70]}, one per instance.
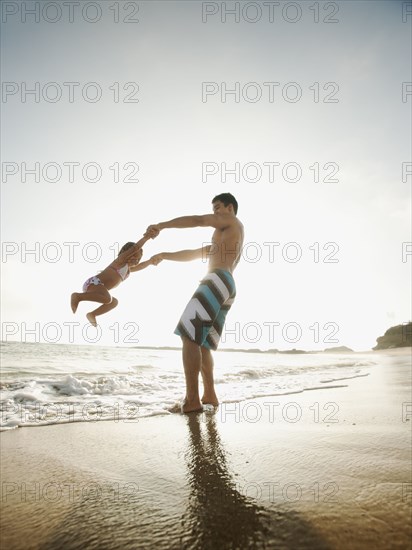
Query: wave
{"type": "Point", "coordinates": [113, 400]}
{"type": "Point", "coordinates": [62, 386]}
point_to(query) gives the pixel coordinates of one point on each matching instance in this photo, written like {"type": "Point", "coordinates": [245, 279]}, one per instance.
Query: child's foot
{"type": "Point", "coordinates": [74, 301]}
{"type": "Point", "coordinates": [92, 319]}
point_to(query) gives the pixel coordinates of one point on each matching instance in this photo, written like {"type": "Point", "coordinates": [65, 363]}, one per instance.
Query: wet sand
{"type": "Point", "coordinates": [327, 468]}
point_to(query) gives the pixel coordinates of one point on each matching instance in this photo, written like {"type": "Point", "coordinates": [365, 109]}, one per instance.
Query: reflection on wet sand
{"type": "Point", "coordinates": [192, 503]}
{"type": "Point", "coordinates": [218, 515]}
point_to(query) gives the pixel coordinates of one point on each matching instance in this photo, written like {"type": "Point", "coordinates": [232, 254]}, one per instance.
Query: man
{"type": "Point", "coordinates": [201, 324]}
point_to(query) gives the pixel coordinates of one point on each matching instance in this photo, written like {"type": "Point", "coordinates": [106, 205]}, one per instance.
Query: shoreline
{"type": "Point", "coordinates": [318, 470]}
{"type": "Point", "coordinates": [219, 411]}
{"type": "Point", "coordinates": [270, 351]}
{"type": "Point", "coordinates": [82, 394]}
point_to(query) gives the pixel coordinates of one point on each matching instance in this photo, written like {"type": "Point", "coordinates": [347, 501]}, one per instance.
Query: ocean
{"type": "Point", "coordinates": [44, 384]}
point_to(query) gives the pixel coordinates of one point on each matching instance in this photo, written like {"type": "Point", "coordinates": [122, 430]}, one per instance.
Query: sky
{"type": "Point", "coordinates": [140, 112]}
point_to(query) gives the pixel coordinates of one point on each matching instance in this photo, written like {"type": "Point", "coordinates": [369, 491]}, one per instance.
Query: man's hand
{"type": "Point", "coordinates": [156, 259]}
{"type": "Point", "coordinates": [153, 231]}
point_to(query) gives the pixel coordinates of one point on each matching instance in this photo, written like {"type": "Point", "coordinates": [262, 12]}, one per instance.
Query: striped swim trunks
{"type": "Point", "coordinates": [203, 319]}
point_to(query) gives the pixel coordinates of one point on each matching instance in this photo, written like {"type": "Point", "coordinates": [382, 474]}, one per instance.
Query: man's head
{"type": "Point", "coordinates": [227, 200]}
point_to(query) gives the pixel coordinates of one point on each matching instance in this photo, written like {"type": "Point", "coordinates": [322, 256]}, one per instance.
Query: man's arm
{"type": "Point", "coordinates": [218, 221]}
{"type": "Point", "coordinates": [182, 255]}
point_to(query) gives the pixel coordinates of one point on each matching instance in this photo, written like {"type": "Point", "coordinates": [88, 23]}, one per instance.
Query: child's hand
{"type": "Point", "coordinates": [152, 231]}
{"type": "Point", "coordinates": [156, 259]}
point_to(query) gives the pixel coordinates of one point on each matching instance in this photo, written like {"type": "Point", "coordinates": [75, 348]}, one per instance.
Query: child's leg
{"type": "Point", "coordinates": [95, 293]}
{"type": "Point", "coordinates": [91, 317]}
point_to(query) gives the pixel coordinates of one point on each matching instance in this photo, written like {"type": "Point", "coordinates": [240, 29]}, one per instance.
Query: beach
{"type": "Point", "coordinates": [324, 468]}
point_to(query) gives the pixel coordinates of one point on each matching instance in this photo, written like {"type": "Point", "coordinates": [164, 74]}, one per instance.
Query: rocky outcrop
{"type": "Point", "coordinates": [395, 337]}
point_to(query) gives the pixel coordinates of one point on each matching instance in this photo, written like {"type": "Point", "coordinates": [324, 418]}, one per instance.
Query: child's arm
{"type": "Point", "coordinates": [182, 255]}
{"type": "Point", "coordinates": [127, 255]}
{"type": "Point", "coordinates": [148, 235]}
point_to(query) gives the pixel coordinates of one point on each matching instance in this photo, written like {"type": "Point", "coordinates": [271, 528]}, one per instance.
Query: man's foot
{"type": "Point", "coordinates": [210, 400]}
{"type": "Point", "coordinates": [74, 301]}
{"type": "Point", "coordinates": [191, 406]}
{"type": "Point", "coordinates": [92, 319]}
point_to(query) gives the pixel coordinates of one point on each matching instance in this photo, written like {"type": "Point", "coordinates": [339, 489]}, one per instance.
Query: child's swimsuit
{"type": "Point", "coordinates": [123, 271]}
{"type": "Point", "coordinates": [91, 281]}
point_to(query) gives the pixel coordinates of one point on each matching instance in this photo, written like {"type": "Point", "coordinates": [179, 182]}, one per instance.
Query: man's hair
{"type": "Point", "coordinates": [125, 247]}
{"type": "Point", "coordinates": [227, 198]}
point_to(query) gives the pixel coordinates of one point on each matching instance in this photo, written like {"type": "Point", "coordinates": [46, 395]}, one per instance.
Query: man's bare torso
{"type": "Point", "coordinates": [226, 247]}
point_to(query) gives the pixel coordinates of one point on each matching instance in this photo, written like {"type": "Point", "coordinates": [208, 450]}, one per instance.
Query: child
{"type": "Point", "coordinates": [96, 288]}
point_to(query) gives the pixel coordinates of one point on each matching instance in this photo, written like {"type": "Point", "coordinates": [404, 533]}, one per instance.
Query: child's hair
{"type": "Point", "coordinates": [125, 247]}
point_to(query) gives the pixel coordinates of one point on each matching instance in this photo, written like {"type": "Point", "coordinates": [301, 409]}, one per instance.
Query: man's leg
{"type": "Point", "coordinates": [192, 360]}
{"type": "Point", "coordinates": [209, 395]}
